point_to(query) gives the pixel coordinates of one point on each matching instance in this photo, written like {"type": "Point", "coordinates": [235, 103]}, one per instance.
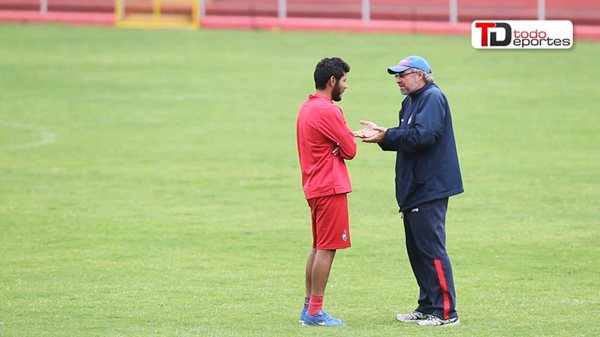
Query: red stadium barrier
{"type": "Point", "coordinates": [386, 15]}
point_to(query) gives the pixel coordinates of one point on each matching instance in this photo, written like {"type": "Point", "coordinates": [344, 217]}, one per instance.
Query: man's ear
{"type": "Point", "coordinates": [332, 81]}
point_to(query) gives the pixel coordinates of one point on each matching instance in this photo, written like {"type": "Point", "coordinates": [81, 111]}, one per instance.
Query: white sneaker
{"type": "Point", "coordinates": [411, 317]}
{"type": "Point", "coordinates": [432, 320]}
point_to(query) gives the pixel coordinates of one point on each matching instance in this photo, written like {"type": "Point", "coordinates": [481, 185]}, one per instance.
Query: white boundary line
{"type": "Point", "coordinates": [47, 137]}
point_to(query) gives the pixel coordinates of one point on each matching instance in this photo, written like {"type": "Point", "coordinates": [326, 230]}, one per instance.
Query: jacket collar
{"type": "Point", "coordinates": [416, 94]}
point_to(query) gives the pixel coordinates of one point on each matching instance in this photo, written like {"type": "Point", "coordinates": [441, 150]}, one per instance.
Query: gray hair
{"type": "Point", "coordinates": [427, 77]}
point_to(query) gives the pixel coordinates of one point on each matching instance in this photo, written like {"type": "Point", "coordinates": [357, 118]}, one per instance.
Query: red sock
{"type": "Point", "coordinates": [315, 305]}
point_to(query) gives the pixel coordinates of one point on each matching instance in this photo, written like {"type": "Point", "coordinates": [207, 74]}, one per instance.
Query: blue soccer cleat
{"type": "Point", "coordinates": [321, 319]}
{"type": "Point", "coordinates": [303, 315]}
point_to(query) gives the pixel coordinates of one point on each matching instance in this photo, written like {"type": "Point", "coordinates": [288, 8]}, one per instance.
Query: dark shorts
{"type": "Point", "coordinates": [330, 225]}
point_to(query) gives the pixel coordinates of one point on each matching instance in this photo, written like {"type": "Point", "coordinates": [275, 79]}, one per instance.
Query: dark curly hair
{"type": "Point", "coordinates": [327, 67]}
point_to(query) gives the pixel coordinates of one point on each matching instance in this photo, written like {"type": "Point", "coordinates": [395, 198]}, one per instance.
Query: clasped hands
{"type": "Point", "coordinates": [371, 133]}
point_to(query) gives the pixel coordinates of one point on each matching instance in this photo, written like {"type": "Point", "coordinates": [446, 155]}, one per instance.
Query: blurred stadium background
{"type": "Point", "coordinates": [433, 16]}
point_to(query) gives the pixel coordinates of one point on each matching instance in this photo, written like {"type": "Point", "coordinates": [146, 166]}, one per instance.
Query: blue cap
{"type": "Point", "coordinates": [416, 62]}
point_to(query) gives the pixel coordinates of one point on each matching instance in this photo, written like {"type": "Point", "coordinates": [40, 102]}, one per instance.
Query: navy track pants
{"type": "Point", "coordinates": [425, 231]}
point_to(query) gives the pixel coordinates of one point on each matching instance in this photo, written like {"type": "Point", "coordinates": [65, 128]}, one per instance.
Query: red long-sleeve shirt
{"type": "Point", "coordinates": [321, 127]}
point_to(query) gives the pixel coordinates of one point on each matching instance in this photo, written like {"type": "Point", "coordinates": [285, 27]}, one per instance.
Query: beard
{"type": "Point", "coordinates": [336, 93]}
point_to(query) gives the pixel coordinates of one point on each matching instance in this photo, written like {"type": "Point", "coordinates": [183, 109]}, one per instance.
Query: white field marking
{"type": "Point", "coordinates": [47, 137]}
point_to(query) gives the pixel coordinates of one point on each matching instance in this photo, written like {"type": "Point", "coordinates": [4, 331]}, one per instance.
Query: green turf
{"type": "Point", "coordinates": [169, 202]}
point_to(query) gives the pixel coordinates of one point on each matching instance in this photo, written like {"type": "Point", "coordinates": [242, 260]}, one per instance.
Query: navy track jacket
{"type": "Point", "coordinates": [426, 159]}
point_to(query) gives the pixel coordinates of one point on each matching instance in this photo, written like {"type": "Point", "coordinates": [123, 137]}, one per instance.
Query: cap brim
{"type": "Point", "coordinates": [397, 69]}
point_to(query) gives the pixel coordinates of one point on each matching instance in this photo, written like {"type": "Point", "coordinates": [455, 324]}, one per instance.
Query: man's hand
{"type": "Point", "coordinates": [371, 133]}
{"type": "Point", "coordinates": [367, 131]}
{"type": "Point", "coordinates": [336, 150]}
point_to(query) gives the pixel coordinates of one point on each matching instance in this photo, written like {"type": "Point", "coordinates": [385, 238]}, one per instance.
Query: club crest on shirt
{"type": "Point", "coordinates": [345, 236]}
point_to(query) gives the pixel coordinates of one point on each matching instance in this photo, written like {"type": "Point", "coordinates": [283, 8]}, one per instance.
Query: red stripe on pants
{"type": "Point", "coordinates": [442, 278]}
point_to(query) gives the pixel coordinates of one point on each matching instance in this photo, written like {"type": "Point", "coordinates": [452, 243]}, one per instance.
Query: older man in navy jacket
{"type": "Point", "coordinates": [427, 173]}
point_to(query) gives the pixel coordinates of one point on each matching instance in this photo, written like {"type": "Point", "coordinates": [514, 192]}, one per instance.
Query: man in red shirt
{"type": "Point", "coordinates": [324, 142]}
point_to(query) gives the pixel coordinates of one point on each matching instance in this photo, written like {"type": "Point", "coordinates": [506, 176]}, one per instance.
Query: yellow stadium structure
{"type": "Point", "coordinates": [157, 13]}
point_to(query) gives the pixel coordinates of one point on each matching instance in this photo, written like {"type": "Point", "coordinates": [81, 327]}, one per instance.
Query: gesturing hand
{"type": "Point", "coordinates": [371, 133]}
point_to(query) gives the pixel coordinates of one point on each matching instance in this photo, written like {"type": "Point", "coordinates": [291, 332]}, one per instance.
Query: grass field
{"type": "Point", "coordinates": [150, 185]}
